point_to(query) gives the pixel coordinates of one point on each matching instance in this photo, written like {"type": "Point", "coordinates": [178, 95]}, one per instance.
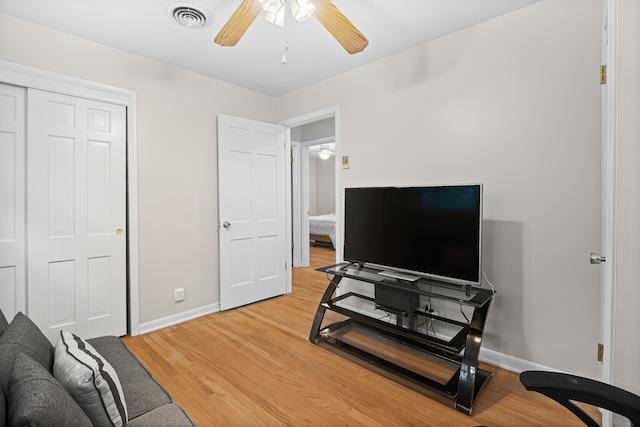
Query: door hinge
{"type": "Point", "coordinates": [600, 352]}
{"type": "Point", "coordinates": [603, 74]}
{"type": "Point", "coordinates": [291, 159]}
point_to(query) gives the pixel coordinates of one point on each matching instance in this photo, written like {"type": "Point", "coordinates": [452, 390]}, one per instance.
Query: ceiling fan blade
{"type": "Point", "coordinates": [239, 23]}
{"type": "Point", "coordinates": [340, 27]}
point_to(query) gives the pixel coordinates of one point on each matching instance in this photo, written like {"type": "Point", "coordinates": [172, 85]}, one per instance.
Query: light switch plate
{"type": "Point", "coordinates": [345, 162]}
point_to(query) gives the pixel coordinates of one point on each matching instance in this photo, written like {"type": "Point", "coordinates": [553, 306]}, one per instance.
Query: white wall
{"type": "Point", "coordinates": [513, 103]}
{"type": "Point", "coordinates": [325, 128]}
{"type": "Point", "coordinates": [177, 109]}
{"type": "Point", "coordinates": [322, 177]}
{"type": "Point", "coordinates": [313, 186]}
{"type": "Point", "coordinates": [627, 315]}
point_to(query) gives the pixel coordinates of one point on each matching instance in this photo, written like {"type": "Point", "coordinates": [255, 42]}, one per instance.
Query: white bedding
{"type": "Point", "coordinates": [324, 225]}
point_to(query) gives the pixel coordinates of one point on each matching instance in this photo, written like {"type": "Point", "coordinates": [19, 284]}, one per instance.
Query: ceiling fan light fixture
{"type": "Point", "coordinates": [270, 5]}
{"type": "Point", "coordinates": [302, 9]}
{"type": "Point", "coordinates": [324, 154]}
{"type": "Point", "coordinates": [275, 11]}
{"type": "Point", "coordinates": [276, 18]}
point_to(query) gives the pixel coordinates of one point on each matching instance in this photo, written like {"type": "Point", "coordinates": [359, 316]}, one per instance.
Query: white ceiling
{"type": "Point", "coordinates": [145, 27]}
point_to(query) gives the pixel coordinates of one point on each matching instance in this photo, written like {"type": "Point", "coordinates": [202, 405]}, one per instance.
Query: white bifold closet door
{"type": "Point", "coordinates": [76, 215]}
{"type": "Point", "coordinates": [76, 198]}
{"type": "Point", "coordinates": [62, 212]}
{"type": "Point", "coordinates": [12, 199]}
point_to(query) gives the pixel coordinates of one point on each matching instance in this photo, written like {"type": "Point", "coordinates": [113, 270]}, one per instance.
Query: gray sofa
{"type": "Point", "coordinates": [30, 395]}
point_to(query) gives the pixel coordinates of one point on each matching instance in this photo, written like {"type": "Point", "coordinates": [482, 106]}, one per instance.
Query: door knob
{"type": "Point", "coordinates": [119, 231]}
{"type": "Point", "coordinates": [226, 225]}
{"type": "Point", "coordinates": [595, 258]}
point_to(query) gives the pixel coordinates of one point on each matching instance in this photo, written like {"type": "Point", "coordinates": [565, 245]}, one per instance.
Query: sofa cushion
{"type": "Point", "coordinates": [35, 398]}
{"type": "Point", "coordinates": [166, 415]}
{"type": "Point", "coordinates": [141, 391]}
{"type": "Point", "coordinates": [23, 336]}
{"type": "Point", "coordinates": [91, 380]}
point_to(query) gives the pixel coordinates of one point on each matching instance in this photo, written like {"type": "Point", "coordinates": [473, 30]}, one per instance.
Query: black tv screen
{"type": "Point", "coordinates": [429, 231]}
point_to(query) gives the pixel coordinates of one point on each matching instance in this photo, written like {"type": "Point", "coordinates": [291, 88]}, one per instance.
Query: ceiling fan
{"type": "Point", "coordinates": [325, 11]}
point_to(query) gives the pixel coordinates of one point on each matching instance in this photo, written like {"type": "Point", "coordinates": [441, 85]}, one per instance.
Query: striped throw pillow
{"type": "Point", "coordinates": [90, 379]}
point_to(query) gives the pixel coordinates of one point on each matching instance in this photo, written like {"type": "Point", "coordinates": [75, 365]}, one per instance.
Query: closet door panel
{"type": "Point", "coordinates": [12, 199]}
{"type": "Point", "coordinates": [77, 215]}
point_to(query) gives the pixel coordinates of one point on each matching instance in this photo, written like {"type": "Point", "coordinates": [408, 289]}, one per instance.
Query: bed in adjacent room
{"type": "Point", "coordinates": [322, 229]}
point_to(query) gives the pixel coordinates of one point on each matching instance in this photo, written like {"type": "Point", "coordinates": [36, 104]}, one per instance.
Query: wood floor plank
{"type": "Point", "coordinates": [254, 366]}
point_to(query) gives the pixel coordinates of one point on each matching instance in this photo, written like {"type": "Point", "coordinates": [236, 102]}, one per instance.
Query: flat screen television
{"type": "Point", "coordinates": [433, 232]}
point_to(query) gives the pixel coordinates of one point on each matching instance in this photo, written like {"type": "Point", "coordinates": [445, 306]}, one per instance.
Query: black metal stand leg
{"type": "Point", "coordinates": [470, 379]}
{"type": "Point", "coordinates": [317, 320]}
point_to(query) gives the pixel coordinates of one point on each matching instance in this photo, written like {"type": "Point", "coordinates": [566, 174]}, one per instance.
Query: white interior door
{"type": "Point", "coordinates": [12, 200]}
{"type": "Point", "coordinates": [251, 206]}
{"type": "Point", "coordinates": [76, 181]}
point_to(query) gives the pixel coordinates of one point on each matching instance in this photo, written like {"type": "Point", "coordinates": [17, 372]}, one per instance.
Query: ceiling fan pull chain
{"type": "Point", "coordinates": [286, 39]}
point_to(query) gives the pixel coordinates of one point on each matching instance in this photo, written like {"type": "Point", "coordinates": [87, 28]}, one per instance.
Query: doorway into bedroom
{"type": "Point", "coordinates": [314, 189]}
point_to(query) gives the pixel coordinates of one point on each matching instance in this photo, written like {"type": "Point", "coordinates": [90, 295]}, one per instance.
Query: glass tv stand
{"type": "Point", "coordinates": [395, 333]}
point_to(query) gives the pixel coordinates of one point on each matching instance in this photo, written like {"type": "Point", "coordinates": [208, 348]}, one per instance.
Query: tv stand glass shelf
{"type": "Point", "coordinates": [393, 331]}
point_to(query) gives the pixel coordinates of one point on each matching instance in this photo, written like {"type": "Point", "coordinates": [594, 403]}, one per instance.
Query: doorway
{"type": "Point", "coordinates": [315, 142]}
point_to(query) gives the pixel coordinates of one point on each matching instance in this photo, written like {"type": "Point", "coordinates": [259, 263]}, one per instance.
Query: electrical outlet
{"type": "Point", "coordinates": [178, 294]}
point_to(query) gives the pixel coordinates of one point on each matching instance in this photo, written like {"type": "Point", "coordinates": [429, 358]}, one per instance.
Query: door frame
{"type": "Point", "coordinates": [30, 77]}
{"type": "Point", "coordinates": [300, 203]}
{"type": "Point", "coordinates": [325, 113]}
{"type": "Point", "coordinates": [609, 190]}
{"type": "Point", "coordinates": [296, 205]}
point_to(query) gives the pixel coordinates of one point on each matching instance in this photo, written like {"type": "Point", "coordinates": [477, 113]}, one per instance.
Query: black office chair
{"type": "Point", "coordinates": [565, 389]}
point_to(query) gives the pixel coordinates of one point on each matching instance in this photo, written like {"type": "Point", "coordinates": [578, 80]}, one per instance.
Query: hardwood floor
{"type": "Point", "coordinates": [255, 366]}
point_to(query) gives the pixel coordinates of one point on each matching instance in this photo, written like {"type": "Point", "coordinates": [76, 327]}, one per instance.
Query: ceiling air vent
{"type": "Point", "coordinates": [189, 15]}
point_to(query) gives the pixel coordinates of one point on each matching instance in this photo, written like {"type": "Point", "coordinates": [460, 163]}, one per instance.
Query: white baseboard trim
{"type": "Point", "coordinates": [174, 319]}
{"type": "Point", "coordinates": [511, 363]}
